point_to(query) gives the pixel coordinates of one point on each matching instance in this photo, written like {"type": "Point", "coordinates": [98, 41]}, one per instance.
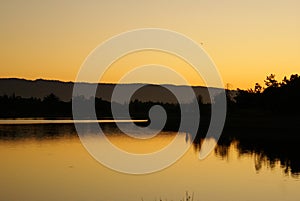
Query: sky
{"type": "Point", "coordinates": [247, 40]}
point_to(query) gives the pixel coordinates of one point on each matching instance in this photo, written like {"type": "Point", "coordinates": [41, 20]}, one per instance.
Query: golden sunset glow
{"type": "Point", "coordinates": [152, 67]}
{"type": "Point", "coordinates": [246, 39]}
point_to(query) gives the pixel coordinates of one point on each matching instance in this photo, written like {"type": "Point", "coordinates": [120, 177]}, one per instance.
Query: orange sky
{"type": "Point", "coordinates": [246, 39]}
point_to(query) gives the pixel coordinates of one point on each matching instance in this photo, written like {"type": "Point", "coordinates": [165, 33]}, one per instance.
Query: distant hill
{"type": "Point", "coordinates": [40, 88]}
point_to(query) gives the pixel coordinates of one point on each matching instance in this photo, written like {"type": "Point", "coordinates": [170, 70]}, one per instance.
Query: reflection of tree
{"type": "Point", "coordinates": [269, 153]}
{"type": "Point", "coordinates": [222, 151]}
{"type": "Point", "coordinates": [258, 158]}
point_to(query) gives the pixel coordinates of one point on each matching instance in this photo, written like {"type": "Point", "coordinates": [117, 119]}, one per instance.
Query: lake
{"type": "Point", "coordinates": [46, 161]}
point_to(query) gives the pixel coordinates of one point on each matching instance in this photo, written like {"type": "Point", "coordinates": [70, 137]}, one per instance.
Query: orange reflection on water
{"type": "Point", "coordinates": [59, 168]}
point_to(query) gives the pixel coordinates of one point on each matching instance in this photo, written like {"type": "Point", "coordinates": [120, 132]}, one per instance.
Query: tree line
{"type": "Point", "coordinates": [276, 97]}
{"type": "Point", "coordinates": [51, 106]}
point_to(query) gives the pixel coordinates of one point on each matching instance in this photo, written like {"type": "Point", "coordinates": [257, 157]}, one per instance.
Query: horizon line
{"type": "Point", "coordinates": [106, 83]}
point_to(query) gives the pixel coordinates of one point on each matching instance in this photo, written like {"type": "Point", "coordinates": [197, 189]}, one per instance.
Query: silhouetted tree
{"type": "Point", "coordinates": [279, 97]}
{"type": "Point", "coordinates": [51, 98]}
{"type": "Point", "coordinates": [258, 88]}
{"type": "Point", "coordinates": [271, 81]}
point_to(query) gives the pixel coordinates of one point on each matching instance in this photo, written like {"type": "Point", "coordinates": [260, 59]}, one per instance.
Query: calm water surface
{"type": "Point", "coordinates": [48, 162]}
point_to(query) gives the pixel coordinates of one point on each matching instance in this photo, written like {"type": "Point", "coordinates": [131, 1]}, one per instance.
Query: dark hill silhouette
{"type": "Point", "coordinates": [63, 90]}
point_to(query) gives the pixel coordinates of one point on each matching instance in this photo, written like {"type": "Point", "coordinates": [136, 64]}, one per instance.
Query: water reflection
{"type": "Point", "coordinates": [37, 131]}
{"type": "Point", "coordinates": [266, 151]}
{"type": "Point", "coordinates": [270, 152]}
